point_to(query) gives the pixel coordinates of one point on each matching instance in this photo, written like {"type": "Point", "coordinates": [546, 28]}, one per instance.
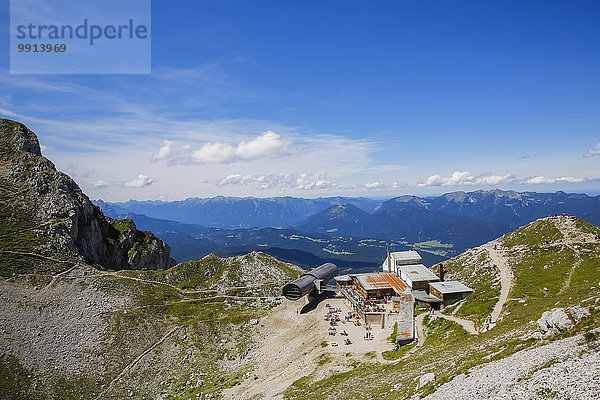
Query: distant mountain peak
{"type": "Point", "coordinates": [344, 208]}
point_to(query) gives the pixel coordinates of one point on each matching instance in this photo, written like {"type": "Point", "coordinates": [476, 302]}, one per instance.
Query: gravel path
{"type": "Point", "coordinates": [465, 323]}
{"type": "Point", "coordinates": [506, 277]}
{"type": "Point", "coordinates": [420, 329]}
{"type": "Point", "coordinates": [132, 364]}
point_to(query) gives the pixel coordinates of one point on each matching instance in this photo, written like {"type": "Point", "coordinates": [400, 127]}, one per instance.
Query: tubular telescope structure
{"type": "Point", "coordinates": [311, 281]}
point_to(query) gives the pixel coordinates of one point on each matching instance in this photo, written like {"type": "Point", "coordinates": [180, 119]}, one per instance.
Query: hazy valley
{"type": "Point", "coordinates": [352, 231]}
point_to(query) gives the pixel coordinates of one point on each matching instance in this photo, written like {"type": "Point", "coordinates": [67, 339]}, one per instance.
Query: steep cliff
{"type": "Point", "coordinates": [46, 215]}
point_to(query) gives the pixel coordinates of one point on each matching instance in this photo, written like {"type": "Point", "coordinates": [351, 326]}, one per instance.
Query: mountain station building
{"type": "Point", "coordinates": [389, 296]}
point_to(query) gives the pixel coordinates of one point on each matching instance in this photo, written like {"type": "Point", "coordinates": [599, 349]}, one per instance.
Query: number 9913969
{"type": "Point", "coordinates": [41, 48]}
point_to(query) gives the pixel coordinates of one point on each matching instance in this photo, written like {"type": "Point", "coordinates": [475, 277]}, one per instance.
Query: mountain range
{"type": "Point", "coordinates": [508, 208]}
{"type": "Point", "coordinates": [237, 212]}
{"type": "Point", "coordinates": [311, 230]}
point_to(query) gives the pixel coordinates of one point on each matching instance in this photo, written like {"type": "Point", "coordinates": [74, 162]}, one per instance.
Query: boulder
{"type": "Point", "coordinates": [560, 319]}
{"type": "Point", "coordinates": [577, 312]}
{"type": "Point", "coordinates": [426, 378]}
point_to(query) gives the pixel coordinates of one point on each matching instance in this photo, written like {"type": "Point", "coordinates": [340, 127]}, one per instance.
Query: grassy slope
{"type": "Point", "coordinates": [215, 326]}
{"type": "Point", "coordinates": [477, 271]}
{"type": "Point", "coordinates": [211, 329]}
{"type": "Point", "coordinates": [20, 234]}
{"type": "Point", "coordinates": [449, 350]}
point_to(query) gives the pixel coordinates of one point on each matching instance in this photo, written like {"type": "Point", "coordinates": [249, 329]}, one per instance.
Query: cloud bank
{"type": "Point", "coordinates": [310, 181]}
{"type": "Point", "coordinates": [460, 178]}
{"type": "Point", "coordinates": [267, 145]}
{"type": "Point", "coordinates": [536, 180]}
{"type": "Point", "coordinates": [300, 181]}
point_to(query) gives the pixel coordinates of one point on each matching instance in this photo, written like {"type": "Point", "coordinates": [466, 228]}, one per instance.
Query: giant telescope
{"type": "Point", "coordinates": [312, 282]}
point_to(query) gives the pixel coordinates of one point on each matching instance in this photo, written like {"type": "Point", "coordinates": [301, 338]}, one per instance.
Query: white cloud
{"type": "Point", "coordinates": [300, 181]}
{"type": "Point", "coordinates": [174, 153]}
{"type": "Point", "coordinates": [493, 179]}
{"type": "Point", "coordinates": [595, 151]}
{"type": "Point", "coordinates": [267, 145]}
{"type": "Point", "coordinates": [100, 184]}
{"type": "Point", "coordinates": [382, 186]}
{"type": "Point", "coordinates": [536, 180]}
{"type": "Point", "coordinates": [140, 182]}
{"type": "Point", "coordinates": [375, 185]}
{"type": "Point", "coordinates": [459, 178]}
{"type": "Point", "coordinates": [464, 178]}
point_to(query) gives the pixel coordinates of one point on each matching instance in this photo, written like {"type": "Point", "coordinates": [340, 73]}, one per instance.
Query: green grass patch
{"type": "Point", "coordinates": [396, 354]}
{"type": "Point", "coordinates": [122, 225]}
{"type": "Point", "coordinates": [547, 393]}
{"type": "Point", "coordinates": [324, 359]}
{"type": "Point", "coordinates": [534, 234]}
{"type": "Point", "coordinates": [590, 336]}
{"type": "Point", "coordinates": [16, 380]}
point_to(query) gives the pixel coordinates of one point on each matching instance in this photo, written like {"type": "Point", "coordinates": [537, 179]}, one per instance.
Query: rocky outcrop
{"type": "Point", "coordinates": [426, 378]}
{"type": "Point", "coordinates": [65, 216]}
{"type": "Point", "coordinates": [562, 370]}
{"type": "Point", "coordinates": [560, 319]}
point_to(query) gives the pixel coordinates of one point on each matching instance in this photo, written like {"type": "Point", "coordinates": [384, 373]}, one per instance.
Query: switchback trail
{"type": "Point", "coordinates": [571, 236]}
{"type": "Point", "coordinates": [420, 330]}
{"type": "Point", "coordinates": [132, 364]}
{"type": "Point", "coordinates": [506, 278]}
{"type": "Point", "coordinates": [28, 254]}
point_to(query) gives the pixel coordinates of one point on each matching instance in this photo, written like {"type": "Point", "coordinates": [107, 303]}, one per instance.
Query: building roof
{"type": "Point", "coordinates": [418, 273]}
{"type": "Point", "coordinates": [410, 255]}
{"type": "Point", "coordinates": [398, 258]}
{"type": "Point", "coordinates": [450, 287]}
{"type": "Point", "coordinates": [343, 278]}
{"type": "Point", "coordinates": [421, 295]}
{"type": "Point", "coordinates": [381, 281]}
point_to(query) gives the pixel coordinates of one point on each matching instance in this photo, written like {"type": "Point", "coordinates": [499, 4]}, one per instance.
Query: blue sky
{"type": "Point", "coordinates": [319, 98]}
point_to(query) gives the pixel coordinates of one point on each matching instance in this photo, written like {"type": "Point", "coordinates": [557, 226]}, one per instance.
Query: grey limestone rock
{"type": "Point", "coordinates": [66, 216]}
{"type": "Point", "coordinates": [560, 319]}
{"type": "Point", "coordinates": [426, 378]}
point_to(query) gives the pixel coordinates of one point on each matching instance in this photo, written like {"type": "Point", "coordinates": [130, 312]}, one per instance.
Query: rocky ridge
{"type": "Point", "coordinates": [64, 222]}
